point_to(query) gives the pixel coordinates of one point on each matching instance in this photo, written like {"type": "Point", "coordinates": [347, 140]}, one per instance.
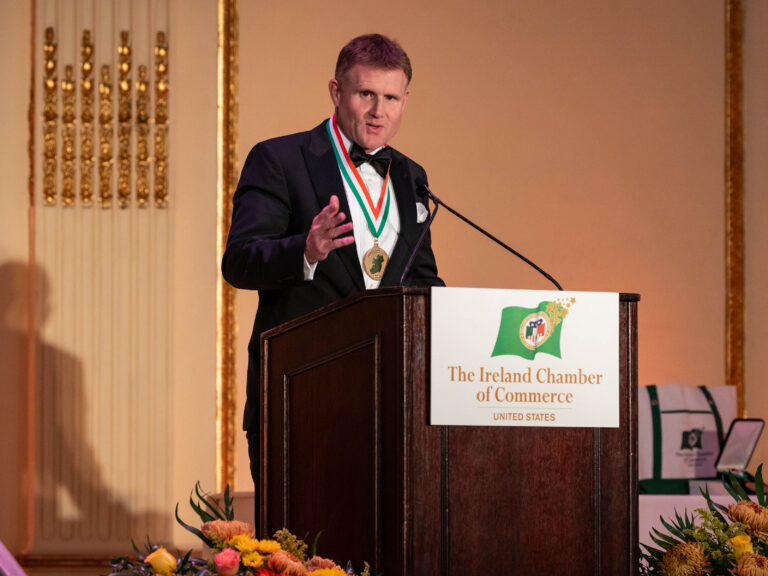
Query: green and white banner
{"type": "Point", "coordinates": [524, 358]}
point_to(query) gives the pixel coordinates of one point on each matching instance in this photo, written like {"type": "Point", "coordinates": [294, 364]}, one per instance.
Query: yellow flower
{"type": "Point", "coordinates": [329, 572]}
{"type": "Point", "coordinates": [253, 559]}
{"type": "Point", "coordinates": [751, 565]}
{"type": "Point", "coordinates": [749, 513]}
{"type": "Point", "coordinates": [685, 559]}
{"type": "Point", "coordinates": [162, 562]}
{"type": "Point", "coordinates": [244, 543]}
{"type": "Point", "coordinates": [268, 546]}
{"type": "Point", "coordinates": [741, 544]}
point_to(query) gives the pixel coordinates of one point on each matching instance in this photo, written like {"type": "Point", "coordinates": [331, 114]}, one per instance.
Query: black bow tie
{"type": "Point", "coordinates": [379, 161]}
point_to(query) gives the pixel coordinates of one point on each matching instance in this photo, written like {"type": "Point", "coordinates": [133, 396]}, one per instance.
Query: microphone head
{"type": "Point", "coordinates": [422, 188]}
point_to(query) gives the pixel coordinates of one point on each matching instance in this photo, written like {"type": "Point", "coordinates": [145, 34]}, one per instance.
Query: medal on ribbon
{"type": "Point", "coordinates": [376, 259]}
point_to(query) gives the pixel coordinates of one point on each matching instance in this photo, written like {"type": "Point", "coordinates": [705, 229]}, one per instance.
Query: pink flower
{"type": "Point", "coordinates": [227, 562]}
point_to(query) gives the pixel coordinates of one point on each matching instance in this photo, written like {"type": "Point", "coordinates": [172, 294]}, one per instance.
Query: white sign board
{"type": "Point", "coordinates": [524, 358]}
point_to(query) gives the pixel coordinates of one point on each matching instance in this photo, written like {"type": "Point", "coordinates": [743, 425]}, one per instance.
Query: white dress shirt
{"type": "Point", "coordinates": [363, 236]}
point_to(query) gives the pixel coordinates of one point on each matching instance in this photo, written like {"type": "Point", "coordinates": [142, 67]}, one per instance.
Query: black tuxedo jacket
{"type": "Point", "coordinates": [285, 182]}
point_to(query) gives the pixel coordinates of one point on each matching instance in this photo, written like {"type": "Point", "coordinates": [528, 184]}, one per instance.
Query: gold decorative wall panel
{"type": "Point", "coordinates": [124, 128]}
{"type": "Point", "coordinates": [50, 117]}
{"type": "Point", "coordinates": [225, 294]}
{"type": "Point", "coordinates": [142, 138]}
{"type": "Point", "coordinates": [121, 118]}
{"type": "Point", "coordinates": [106, 136]}
{"type": "Point", "coordinates": [86, 120]}
{"type": "Point", "coordinates": [68, 137]}
{"type": "Point", "coordinates": [103, 431]}
{"type": "Point", "coordinates": [161, 120]}
{"type": "Point", "coordinates": [734, 200]}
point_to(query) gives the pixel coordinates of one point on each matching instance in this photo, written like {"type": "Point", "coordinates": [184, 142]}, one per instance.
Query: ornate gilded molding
{"type": "Point", "coordinates": [106, 136]}
{"type": "Point", "coordinates": [68, 98]}
{"type": "Point", "coordinates": [50, 117]}
{"type": "Point", "coordinates": [142, 138]}
{"type": "Point", "coordinates": [225, 294]}
{"type": "Point", "coordinates": [161, 121]}
{"type": "Point", "coordinates": [734, 200]}
{"type": "Point", "coordinates": [124, 129]}
{"type": "Point", "coordinates": [86, 120]}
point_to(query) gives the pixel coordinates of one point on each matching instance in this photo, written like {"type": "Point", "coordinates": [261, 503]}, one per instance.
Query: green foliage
{"type": "Point", "coordinates": [292, 544]}
{"type": "Point", "coordinates": [710, 528]}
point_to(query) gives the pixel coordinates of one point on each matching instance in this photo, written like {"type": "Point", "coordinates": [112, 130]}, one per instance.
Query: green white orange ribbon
{"type": "Point", "coordinates": [373, 213]}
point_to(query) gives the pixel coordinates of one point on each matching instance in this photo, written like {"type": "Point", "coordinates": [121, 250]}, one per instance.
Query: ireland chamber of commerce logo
{"type": "Point", "coordinates": [527, 331]}
{"type": "Point", "coordinates": [691, 439]}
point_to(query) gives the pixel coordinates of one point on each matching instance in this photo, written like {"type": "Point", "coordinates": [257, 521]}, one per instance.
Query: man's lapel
{"type": "Point", "coordinates": [326, 180]}
{"type": "Point", "coordinates": [407, 238]}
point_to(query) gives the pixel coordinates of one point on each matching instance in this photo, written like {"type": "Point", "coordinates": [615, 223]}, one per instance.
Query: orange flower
{"type": "Point", "coordinates": [685, 559]}
{"type": "Point", "coordinates": [751, 565]}
{"type": "Point", "coordinates": [749, 513]}
{"type": "Point", "coordinates": [319, 562]}
{"type": "Point", "coordinates": [226, 529]}
{"type": "Point", "coordinates": [286, 563]}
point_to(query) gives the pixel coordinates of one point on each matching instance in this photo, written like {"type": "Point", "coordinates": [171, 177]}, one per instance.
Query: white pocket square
{"type": "Point", "coordinates": [421, 213]}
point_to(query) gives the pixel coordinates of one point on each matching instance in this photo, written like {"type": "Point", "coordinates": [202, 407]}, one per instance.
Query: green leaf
{"type": "Point", "coordinates": [737, 487]}
{"type": "Point", "coordinates": [760, 486]}
{"type": "Point", "coordinates": [216, 512]}
{"type": "Point", "coordinates": [207, 541]}
{"type": "Point", "coordinates": [313, 549]}
{"type": "Point", "coordinates": [136, 549]}
{"type": "Point", "coordinates": [204, 516]}
{"type": "Point", "coordinates": [654, 553]}
{"type": "Point", "coordinates": [228, 511]}
{"type": "Point", "coordinates": [665, 541]}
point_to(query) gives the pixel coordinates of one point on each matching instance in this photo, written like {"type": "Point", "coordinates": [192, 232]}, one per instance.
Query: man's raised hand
{"type": "Point", "coordinates": [326, 233]}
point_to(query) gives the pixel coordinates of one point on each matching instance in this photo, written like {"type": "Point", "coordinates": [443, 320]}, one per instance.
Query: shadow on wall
{"type": "Point", "coordinates": [74, 505]}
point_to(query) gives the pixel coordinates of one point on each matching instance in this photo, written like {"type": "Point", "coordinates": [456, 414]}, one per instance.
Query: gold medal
{"type": "Point", "coordinates": [375, 261]}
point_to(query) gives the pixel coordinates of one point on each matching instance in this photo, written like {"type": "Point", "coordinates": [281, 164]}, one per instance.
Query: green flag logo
{"type": "Point", "coordinates": [527, 331]}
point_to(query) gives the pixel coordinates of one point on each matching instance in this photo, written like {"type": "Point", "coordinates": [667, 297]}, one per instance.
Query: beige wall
{"type": "Point", "coordinates": [588, 135]}
{"type": "Point", "coordinates": [190, 455]}
{"type": "Point", "coordinates": [14, 203]}
{"type": "Point", "coordinates": [756, 214]}
{"type": "Point", "coordinates": [599, 121]}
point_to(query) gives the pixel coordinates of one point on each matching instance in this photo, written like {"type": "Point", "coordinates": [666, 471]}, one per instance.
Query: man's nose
{"type": "Point", "coordinates": [377, 108]}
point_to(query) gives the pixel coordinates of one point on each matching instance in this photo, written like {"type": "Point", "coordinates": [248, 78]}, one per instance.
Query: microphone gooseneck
{"type": "Point", "coordinates": [423, 185]}
{"type": "Point", "coordinates": [418, 244]}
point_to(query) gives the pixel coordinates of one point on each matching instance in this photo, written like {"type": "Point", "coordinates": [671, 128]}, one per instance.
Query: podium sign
{"type": "Point", "coordinates": [524, 358]}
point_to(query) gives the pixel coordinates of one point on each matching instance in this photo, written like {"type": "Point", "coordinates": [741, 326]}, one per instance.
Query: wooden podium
{"type": "Point", "coordinates": [347, 449]}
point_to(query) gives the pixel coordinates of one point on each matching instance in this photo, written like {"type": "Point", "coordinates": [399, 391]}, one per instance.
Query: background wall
{"type": "Point", "coordinates": [756, 214]}
{"type": "Point", "coordinates": [14, 253]}
{"type": "Point", "coordinates": [588, 135]}
{"type": "Point", "coordinates": [187, 396]}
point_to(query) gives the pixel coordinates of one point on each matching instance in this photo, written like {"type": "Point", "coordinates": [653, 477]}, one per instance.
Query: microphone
{"type": "Point", "coordinates": [421, 184]}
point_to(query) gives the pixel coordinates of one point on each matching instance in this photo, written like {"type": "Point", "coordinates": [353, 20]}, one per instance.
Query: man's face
{"type": "Point", "coordinates": [369, 104]}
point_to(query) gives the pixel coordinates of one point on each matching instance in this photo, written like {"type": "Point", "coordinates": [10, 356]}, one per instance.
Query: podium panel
{"type": "Point", "coordinates": [347, 449]}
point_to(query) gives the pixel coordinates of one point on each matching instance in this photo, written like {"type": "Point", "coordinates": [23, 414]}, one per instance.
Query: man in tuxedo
{"type": "Point", "coordinates": [320, 215]}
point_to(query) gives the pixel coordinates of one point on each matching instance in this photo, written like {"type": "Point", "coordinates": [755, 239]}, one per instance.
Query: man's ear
{"type": "Point", "coordinates": [334, 89]}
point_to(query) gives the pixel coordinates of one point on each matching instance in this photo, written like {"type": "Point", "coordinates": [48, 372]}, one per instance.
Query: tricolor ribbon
{"type": "Point", "coordinates": [373, 214]}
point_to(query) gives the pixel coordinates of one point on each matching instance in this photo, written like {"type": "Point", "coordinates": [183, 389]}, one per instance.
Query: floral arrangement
{"type": "Point", "coordinates": [717, 540]}
{"type": "Point", "coordinates": [234, 550]}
